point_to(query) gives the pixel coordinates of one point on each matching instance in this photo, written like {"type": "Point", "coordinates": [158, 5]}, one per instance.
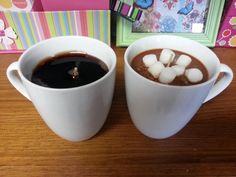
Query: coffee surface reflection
{"type": "Point", "coordinates": [68, 70]}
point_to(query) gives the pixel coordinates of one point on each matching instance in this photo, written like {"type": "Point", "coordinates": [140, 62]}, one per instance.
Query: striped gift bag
{"type": "Point", "coordinates": [32, 27]}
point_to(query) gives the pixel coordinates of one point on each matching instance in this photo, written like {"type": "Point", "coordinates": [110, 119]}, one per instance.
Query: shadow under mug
{"type": "Point", "coordinates": [77, 113]}
{"type": "Point", "coordinates": [160, 111]}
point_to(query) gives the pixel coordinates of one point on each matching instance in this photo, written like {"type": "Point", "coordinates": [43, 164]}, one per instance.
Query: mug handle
{"type": "Point", "coordinates": [221, 84]}
{"type": "Point", "coordinates": [15, 80]}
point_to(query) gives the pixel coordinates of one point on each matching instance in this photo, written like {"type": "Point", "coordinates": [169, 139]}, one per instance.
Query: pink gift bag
{"type": "Point", "coordinates": [227, 33]}
{"type": "Point", "coordinates": [61, 5]}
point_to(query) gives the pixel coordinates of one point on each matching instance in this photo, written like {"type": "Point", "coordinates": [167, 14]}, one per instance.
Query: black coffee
{"type": "Point", "coordinates": [68, 70]}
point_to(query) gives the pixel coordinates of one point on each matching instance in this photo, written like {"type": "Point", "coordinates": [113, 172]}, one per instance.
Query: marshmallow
{"type": "Point", "coordinates": [156, 69]}
{"type": "Point", "coordinates": [184, 60]}
{"type": "Point", "coordinates": [167, 56]}
{"type": "Point", "coordinates": [149, 60]}
{"type": "Point", "coordinates": [167, 75]}
{"type": "Point", "coordinates": [194, 75]}
{"type": "Point", "coordinates": [178, 69]}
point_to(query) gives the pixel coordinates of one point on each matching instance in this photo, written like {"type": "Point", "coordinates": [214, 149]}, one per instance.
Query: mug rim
{"type": "Point", "coordinates": [214, 77]}
{"type": "Point", "coordinates": [110, 71]}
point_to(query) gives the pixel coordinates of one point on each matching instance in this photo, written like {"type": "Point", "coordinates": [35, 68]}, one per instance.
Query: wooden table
{"type": "Point", "coordinates": [205, 147]}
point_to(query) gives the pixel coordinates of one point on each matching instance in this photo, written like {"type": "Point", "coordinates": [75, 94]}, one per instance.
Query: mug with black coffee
{"type": "Point", "coordinates": [167, 79]}
{"type": "Point", "coordinates": [70, 80]}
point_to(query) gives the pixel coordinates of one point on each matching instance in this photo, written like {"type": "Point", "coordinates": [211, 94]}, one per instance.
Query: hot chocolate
{"type": "Point", "coordinates": [170, 67]}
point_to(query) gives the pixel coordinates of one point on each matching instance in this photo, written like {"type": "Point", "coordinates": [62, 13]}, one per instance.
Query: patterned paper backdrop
{"type": "Point", "coordinates": [171, 16]}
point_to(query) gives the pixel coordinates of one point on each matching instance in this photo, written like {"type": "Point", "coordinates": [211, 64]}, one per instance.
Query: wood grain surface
{"type": "Point", "coordinates": [205, 147]}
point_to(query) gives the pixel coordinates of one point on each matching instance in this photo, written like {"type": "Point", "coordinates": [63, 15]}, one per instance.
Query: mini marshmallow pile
{"type": "Point", "coordinates": [166, 72]}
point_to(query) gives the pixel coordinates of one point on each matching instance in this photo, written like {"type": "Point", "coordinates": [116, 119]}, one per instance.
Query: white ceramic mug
{"type": "Point", "coordinates": [159, 111]}
{"type": "Point", "coordinates": [75, 113]}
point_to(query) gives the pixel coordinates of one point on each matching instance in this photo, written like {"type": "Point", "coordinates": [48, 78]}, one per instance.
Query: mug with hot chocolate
{"type": "Point", "coordinates": [167, 79]}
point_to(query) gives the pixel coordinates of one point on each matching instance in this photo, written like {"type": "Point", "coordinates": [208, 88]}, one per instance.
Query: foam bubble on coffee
{"type": "Point", "coordinates": [149, 60]}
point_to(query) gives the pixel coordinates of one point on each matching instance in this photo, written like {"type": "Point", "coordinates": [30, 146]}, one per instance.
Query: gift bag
{"type": "Point", "coordinates": [21, 26]}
